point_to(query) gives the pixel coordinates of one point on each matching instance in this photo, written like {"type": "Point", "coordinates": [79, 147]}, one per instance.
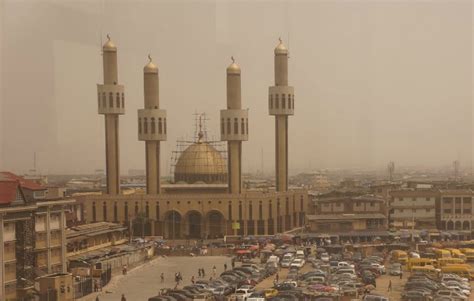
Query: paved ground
{"type": "Point", "coordinates": [144, 282]}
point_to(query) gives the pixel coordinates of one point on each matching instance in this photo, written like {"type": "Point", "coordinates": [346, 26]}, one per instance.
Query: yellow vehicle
{"type": "Point", "coordinates": [445, 261]}
{"type": "Point", "coordinates": [463, 270]}
{"type": "Point", "coordinates": [399, 256]}
{"type": "Point", "coordinates": [442, 253]}
{"type": "Point", "coordinates": [469, 253]}
{"type": "Point", "coordinates": [420, 262]}
{"type": "Point", "coordinates": [427, 270]}
{"type": "Point", "coordinates": [457, 253]}
{"type": "Point", "coordinates": [270, 293]}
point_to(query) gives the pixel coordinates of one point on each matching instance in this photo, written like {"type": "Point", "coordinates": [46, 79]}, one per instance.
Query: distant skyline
{"type": "Point", "coordinates": [375, 81]}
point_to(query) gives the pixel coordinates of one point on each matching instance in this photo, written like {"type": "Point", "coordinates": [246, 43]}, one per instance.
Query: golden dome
{"type": "Point", "coordinates": [201, 162]}
{"type": "Point", "coordinates": [109, 45]}
{"type": "Point", "coordinates": [233, 68]}
{"type": "Point", "coordinates": [150, 67]}
{"type": "Point", "coordinates": [281, 49]}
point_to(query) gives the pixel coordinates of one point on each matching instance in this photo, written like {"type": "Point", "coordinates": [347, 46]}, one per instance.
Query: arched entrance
{"type": "Point", "coordinates": [450, 225]}
{"type": "Point", "coordinates": [172, 225]}
{"type": "Point", "coordinates": [457, 225]}
{"type": "Point", "coordinates": [216, 224]}
{"type": "Point", "coordinates": [194, 224]}
{"type": "Point", "coordinates": [466, 225]}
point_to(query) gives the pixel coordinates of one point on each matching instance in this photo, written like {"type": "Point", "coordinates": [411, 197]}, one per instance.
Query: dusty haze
{"type": "Point", "coordinates": [374, 80]}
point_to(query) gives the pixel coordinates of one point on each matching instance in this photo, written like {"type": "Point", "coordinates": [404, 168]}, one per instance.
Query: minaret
{"type": "Point", "coordinates": [111, 102]}
{"type": "Point", "coordinates": [234, 128]}
{"type": "Point", "coordinates": [152, 127]}
{"type": "Point", "coordinates": [281, 105]}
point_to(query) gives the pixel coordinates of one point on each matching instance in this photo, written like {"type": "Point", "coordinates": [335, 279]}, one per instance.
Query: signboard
{"type": "Point", "coordinates": [236, 226]}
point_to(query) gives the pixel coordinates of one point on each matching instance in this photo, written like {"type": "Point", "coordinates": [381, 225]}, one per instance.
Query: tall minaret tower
{"type": "Point", "coordinates": [152, 127]}
{"type": "Point", "coordinates": [234, 128]}
{"type": "Point", "coordinates": [111, 101]}
{"type": "Point", "coordinates": [281, 105]}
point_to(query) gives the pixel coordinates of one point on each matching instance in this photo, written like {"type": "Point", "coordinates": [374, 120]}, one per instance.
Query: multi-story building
{"type": "Point", "coordinates": [413, 208]}
{"type": "Point", "coordinates": [455, 210]}
{"type": "Point", "coordinates": [32, 236]}
{"type": "Point", "coordinates": [348, 214]}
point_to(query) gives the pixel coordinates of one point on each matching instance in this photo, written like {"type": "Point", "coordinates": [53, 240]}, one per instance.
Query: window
{"type": "Point", "coordinates": [157, 211]}
{"type": "Point", "coordinates": [260, 210]}
{"type": "Point", "coordinates": [301, 204]}
{"type": "Point", "coordinates": [123, 100]}
{"type": "Point", "coordinates": [247, 125]}
{"type": "Point", "coordinates": [93, 212]}
{"type": "Point", "coordinates": [115, 212]}
{"type": "Point", "coordinates": [104, 99]}
{"type": "Point", "coordinates": [164, 121]}
{"type": "Point", "coordinates": [117, 100]}
{"type": "Point", "coordinates": [136, 209]}
{"type": "Point", "coordinates": [289, 101]}
{"type": "Point", "coordinates": [222, 126]}
{"type": "Point", "coordinates": [428, 199]}
{"type": "Point", "coordinates": [428, 210]}
{"type": "Point", "coordinates": [467, 211]}
{"type": "Point", "coordinates": [457, 211]}
{"type": "Point", "coordinates": [447, 210]}
{"type": "Point", "coordinates": [250, 211]}
{"type": "Point", "coordinates": [139, 125]}
{"type": "Point", "coordinates": [125, 211]}
{"type": "Point", "coordinates": [277, 100]}
{"type": "Point", "coordinates": [145, 125]}
{"type": "Point", "coordinates": [153, 125]}
{"type": "Point", "coordinates": [270, 210]}
{"type": "Point", "coordinates": [242, 126]}
{"type": "Point", "coordinates": [271, 101]}
{"type": "Point", "coordinates": [160, 126]}
{"type": "Point", "coordinates": [111, 99]}
{"type": "Point", "coordinates": [98, 98]}
{"type": "Point", "coordinates": [372, 204]}
{"type": "Point", "coordinates": [413, 199]}
{"type": "Point", "coordinates": [228, 126]}
{"type": "Point", "coordinates": [230, 210]}
{"type": "Point", "coordinates": [240, 210]}
{"type": "Point", "coordinates": [147, 210]}
{"type": "Point", "coordinates": [236, 126]}
{"type": "Point", "coordinates": [104, 205]}
{"type": "Point", "coordinates": [283, 101]}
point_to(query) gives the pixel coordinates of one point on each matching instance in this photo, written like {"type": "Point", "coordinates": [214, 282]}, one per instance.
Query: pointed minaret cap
{"type": "Point", "coordinates": [109, 45]}
{"type": "Point", "coordinates": [150, 67]}
{"type": "Point", "coordinates": [281, 49]}
{"type": "Point", "coordinates": [233, 68]}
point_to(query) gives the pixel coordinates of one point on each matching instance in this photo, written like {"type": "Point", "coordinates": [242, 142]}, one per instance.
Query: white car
{"type": "Point", "coordinates": [344, 264]}
{"type": "Point", "coordinates": [243, 293]}
{"type": "Point", "coordinates": [459, 284]}
{"type": "Point", "coordinates": [299, 263]}
{"type": "Point", "coordinates": [257, 296]}
{"type": "Point", "coordinates": [452, 294]}
{"type": "Point", "coordinates": [458, 289]}
{"type": "Point", "coordinates": [325, 257]}
{"type": "Point", "coordinates": [285, 263]}
{"type": "Point", "coordinates": [379, 267]}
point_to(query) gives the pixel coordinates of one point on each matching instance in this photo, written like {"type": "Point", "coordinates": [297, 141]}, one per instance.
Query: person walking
{"type": "Point", "coordinates": [123, 298]}
{"type": "Point", "coordinates": [214, 271]}
{"type": "Point", "coordinates": [199, 273]}
{"type": "Point", "coordinates": [232, 263]}
{"type": "Point", "coordinates": [277, 277]}
{"type": "Point", "coordinates": [389, 286]}
{"type": "Point", "coordinates": [192, 279]}
{"type": "Point", "coordinates": [401, 274]}
{"type": "Point", "coordinates": [225, 267]}
{"type": "Point", "coordinates": [203, 273]}
{"type": "Point", "coordinates": [162, 277]}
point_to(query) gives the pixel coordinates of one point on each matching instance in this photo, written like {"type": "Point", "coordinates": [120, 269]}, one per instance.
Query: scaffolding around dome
{"type": "Point", "coordinates": [199, 161]}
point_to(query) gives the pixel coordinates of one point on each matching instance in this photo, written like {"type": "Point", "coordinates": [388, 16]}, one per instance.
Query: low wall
{"type": "Point", "coordinates": [189, 252]}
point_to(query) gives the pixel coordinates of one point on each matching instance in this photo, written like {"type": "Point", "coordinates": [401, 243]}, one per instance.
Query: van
{"type": "Point", "coordinates": [462, 270]}
{"type": "Point", "coordinates": [300, 254]}
{"type": "Point", "coordinates": [420, 262]}
{"type": "Point", "coordinates": [445, 261]}
{"type": "Point", "coordinates": [399, 256]}
{"type": "Point", "coordinates": [427, 270]}
{"type": "Point", "coordinates": [442, 253]}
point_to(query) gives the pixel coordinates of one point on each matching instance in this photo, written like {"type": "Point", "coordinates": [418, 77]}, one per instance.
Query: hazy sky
{"type": "Point", "coordinates": [374, 80]}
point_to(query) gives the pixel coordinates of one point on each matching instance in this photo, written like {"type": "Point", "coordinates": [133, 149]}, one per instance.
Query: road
{"type": "Point", "coordinates": [144, 282]}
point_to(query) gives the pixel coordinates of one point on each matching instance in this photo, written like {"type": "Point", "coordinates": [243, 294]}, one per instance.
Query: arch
{"type": "Point", "coordinates": [457, 225]}
{"type": "Point", "coordinates": [228, 125]}
{"type": "Point", "coordinates": [139, 125]}
{"type": "Point", "coordinates": [242, 126]}
{"type": "Point", "coordinates": [160, 126]}
{"type": "Point", "coordinates": [450, 225]}
{"type": "Point", "coordinates": [466, 225]}
{"type": "Point", "coordinates": [271, 101]}
{"type": "Point", "coordinates": [215, 224]}
{"type": "Point", "coordinates": [117, 97]}
{"type": "Point", "coordinates": [222, 126]}
{"type": "Point", "coordinates": [193, 224]}
{"type": "Point", "coordinates": [283, 101]}
{"type": "Point", "coordinates": [111, 99]}
{"type": "Point", "coordinates": [164, 123]}
{"type": "Point", "coordinates": [236, 126]}
{"type": "Point", "coordinates": [289, 101]}
{"type": "Point", "coordinates": [277, 101]}
{"type": "Point", "coordinates": [153, 125]}
{"type": "Point", "coordinates": [443, 225]}
{"type": "Point", "coordinates": [145, 125]}
{"type": "Point", "coordinates": [104, 99]}
{"type": "Point", "coordinates": [123, 100]}
{"type": "Point", "coordinates": [172, 224]}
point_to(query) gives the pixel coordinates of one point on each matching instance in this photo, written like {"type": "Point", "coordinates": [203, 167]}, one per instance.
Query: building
{"type": "Point", "coordinates": [413, 208]}
{"type": "Point", "coordinates": [347, 214]}
{"type": "Point", "coordinates": [207, 199]}
{"type": "Point", "coordinates": [32, 235]}
{"type": "Point", "coordinates": [454, 211]}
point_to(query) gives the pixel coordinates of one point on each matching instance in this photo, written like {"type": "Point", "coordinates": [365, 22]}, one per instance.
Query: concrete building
{"type": "Point", "coordinates": [348, 215]}
{"type": "Point", "coordinates": [455, 210]}
{"type": "Point", "coordinates": [207, 199]}
{"type": "Point", "coordinates": [281, 104]}
{"type": "Point", "coordinates": [32, 236]}
{"type": "Point", "coordinates": [413, 208]}
{"type": "Point", "coordinates": [111, 104]}
{"type": "Point", "coordinates": [152, 127]}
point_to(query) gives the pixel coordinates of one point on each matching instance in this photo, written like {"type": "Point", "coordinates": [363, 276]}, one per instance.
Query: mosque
{"type": "Point", "coordinates": [207, 198]}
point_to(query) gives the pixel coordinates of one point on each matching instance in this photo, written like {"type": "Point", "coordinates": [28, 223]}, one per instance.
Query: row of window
{"type": "Point", "coordinates": [119, 100]}
{"type": "Point", "coordinates": [413, 199]}
{"type": "Point", "coordinates": [457, 200]}
{"type": "Point", "coordinates": [147, 209]}
{"type": "Point", "coordinates": [149, 126]}
{"type": "Point", "coordinates": [458, 211]}
{"type": "Point", "coordinates": [284, 101]}
{"type": "Point", "coordinates": [244, 126]}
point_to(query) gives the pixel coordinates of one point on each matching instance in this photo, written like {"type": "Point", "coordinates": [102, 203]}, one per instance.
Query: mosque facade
{"type": "Point", "coordinates": [207, 198]}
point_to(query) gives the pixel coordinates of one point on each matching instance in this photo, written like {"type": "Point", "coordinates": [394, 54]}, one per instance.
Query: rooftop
{"type": "Point", "coordinates": [351, 216]}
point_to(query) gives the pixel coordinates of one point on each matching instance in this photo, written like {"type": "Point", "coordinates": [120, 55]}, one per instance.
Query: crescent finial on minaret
{"type": "Point", "coordinates": [232, 58]}
{"type": "Point", "coordinates": [149, 58]}
{"type": "Point", "coordinates": [279, 39]}
{"type": "Point", "coordinates": [108, 37]}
